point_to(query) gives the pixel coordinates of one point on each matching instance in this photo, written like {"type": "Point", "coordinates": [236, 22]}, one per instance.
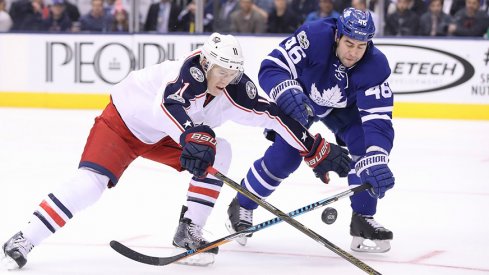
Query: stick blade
{"type": "Point", "coordinates": [138, 257]}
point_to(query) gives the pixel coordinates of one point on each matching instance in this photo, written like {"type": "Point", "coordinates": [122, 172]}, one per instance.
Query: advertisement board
{"type": "Point", "coordinates": [432, 78]}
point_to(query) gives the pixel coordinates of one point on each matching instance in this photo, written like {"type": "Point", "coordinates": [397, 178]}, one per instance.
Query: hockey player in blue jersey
{"type": "Point", "coordinates": [330, 71]}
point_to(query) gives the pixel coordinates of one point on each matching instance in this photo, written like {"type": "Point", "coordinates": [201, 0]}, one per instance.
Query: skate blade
{"type": "Point", "coordinates": [360, 244]}
{"type": "Point", "coordinates": [241, 240]}
{"type": "Point", "coordinates": [7, 263]}
{"type": "Point", "coordinates": [200, 259]}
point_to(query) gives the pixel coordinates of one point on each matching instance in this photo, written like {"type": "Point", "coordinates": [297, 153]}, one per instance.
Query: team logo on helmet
{"type": "Point", "coordinates": [303, 41]}
{"type": "Point", "coordinates": [251, 89]}
{"type": "Point", "coordinates": [197, 74]}
{"type": "Point", "coordinates": [216, 39]}
{"type": "Point", "coordinates": [356, 24]}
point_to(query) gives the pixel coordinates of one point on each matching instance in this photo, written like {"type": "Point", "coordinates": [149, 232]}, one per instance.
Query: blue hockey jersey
{"type": "Point", "coordinates": [307, 61]}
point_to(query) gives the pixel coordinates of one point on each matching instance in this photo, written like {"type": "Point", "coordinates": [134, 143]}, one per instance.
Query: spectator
{"type": "Point", "coordinates": [246, 19]}
{"type": "Point", "coordinates": [266, 5]}
{"type": "Point", "coordinates": [283, 19]}
{"type": "Point", "coordinates": [403, 22]}
{"type": "Point", "coordinates": [97, 20]}
{"type": "Point", "coordinates": [28, 15]}
{"type": "Point", "coordinates": [109, 6]}
{"type": "Point", "coordinates": [469, 21]}
{"type": "Point", "coordinates": [5, 20]}
{"type": "Point", "coordinates": [420, 7]}
{"type": "Point", "coordinates": [303, 7]}
{"type": "Point", "coordinates": [325, 9]}
{"type": "Point", "coordinates": [340, 5]}
{"type": "Point", "coordinates": [373, 6]}
{"type": "Point", "coordinates": [186, 18]}
{"type": "Point", "coordinates": [162, 17]}
{"type": "Point", "coordinates": [454, 6]}
{"type": "Point", "coordinates": [72, 11]}
{"type": "Point", "coordinates": [58, 20]}
{"type": "Point", "coordinates": [121, 20]}
{"type": "Point", "coordinates": [222, 14]}
{"type": "Point", "coordinates": [434, 22]}
{"type": "Point", "coordinates": [261, 11]}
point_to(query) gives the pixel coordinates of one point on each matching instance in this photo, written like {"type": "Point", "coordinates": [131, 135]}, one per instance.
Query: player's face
{"type": "Point", "coordinates": [350, 51]}
{"type": "Point", "coordinates": [218, 78]}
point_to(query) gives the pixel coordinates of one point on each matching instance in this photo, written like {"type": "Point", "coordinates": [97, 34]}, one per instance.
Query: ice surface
{"type": "Point", "coordinates": [437, 210]}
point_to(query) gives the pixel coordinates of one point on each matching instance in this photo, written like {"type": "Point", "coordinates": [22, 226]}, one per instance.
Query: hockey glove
{"type": "Point", "coordinates": [198, 149]}
{"type": "Point", "coordinates": [324, 157]}
{"type": "Point", "coordinates": [373, 169]}
{"type": "Point", "coordinates": [295, 104]}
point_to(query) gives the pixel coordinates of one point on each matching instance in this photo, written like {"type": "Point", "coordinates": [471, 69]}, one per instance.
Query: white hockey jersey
{"type": "Point", "coordinates": [167, 98]}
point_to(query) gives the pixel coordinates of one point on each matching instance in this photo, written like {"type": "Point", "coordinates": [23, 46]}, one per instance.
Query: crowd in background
{"type": "Point", "coordinates": [400, 18]}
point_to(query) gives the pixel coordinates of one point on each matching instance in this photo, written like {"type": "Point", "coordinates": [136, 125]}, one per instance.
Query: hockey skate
{"type": "Point", "coordinates": [189, 236]}
{"type": "Point", "coordinates": [368, 235]}
{"type": "Point", "coordinates": [16, 250]}
{"type": "Point", "coordinates": [239, 219]}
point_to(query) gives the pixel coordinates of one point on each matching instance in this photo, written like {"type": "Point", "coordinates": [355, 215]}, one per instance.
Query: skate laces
{"type": "Point", "coordinates": [246, 215]}
{"type": "Point", "coordinates": [195, 232]}
{"type": "Point", "coordinates": [370, 220]}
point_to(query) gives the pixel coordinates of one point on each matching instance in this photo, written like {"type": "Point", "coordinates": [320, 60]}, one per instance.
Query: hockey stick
{"type": "Point", "coordinates": [299, 226]}
{"type": "Point", "coordinates": [161, 261]}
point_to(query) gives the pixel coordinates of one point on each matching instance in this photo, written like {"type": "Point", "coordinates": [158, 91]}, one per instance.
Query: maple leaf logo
{"type": "Point", "coordinates": [331, 97]}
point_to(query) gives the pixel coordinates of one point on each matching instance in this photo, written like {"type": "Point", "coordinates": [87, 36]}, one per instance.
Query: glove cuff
{"type": "Point", "coordinates": [369, 161]}
{"type": "Point", "coordinates": [319, 151]}
{"type": "Point", "coordinates": [377, 149]}
{"type": "Point", "coordinates": [284, 86]}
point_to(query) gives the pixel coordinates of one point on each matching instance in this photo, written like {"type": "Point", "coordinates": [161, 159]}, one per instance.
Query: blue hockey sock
{"type": "Point", "coordinates": [361, 203]}
{"type": "Point", "coordinates": [279, 161]}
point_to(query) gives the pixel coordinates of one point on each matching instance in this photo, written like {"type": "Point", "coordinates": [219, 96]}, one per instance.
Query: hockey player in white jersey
{"type": "Point", "coordinates": [331, 69]}
{"type": "Point", "coordinates": [166, 113]}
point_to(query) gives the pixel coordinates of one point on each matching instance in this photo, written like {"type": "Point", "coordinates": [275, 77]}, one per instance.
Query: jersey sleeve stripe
{"type": "Point", "coordinates": [378, 110]}
{"type": "Point", "coordinates": [175, 121]}
{"type": "Point", "coordinates": [280, 63]}
{"type": "Point", "coordinates": [375, 116]}
{"type": "Point", "coordinates": [289, 62]}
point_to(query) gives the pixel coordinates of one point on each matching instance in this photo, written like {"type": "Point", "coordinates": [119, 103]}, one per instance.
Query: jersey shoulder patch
{"type": "Point", "coordinates": [191, 70]}
{"type": "Point", "coordinates": [244, 93]}
{"type": "Point", "coordinates": [197, 74]}
{"type": "Point", "coordinates": [251, 90]}
{"type": "Point", "coordinates": [190, 83]}
{"type": "Point", "coordinates": [303, 41]}
{"type": "Point", "coordinates": [317, 38]}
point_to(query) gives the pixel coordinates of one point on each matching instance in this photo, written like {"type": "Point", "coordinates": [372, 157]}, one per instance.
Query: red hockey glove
{"type": "Point", "coordinates": [324, 157]}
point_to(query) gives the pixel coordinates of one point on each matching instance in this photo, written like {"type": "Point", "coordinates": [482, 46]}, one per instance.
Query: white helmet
{"type": "Point", "coordinates": [223, 50]}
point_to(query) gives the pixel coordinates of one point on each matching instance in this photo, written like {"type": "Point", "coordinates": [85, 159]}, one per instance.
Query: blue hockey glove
{"type": "Point", "coordinates": [198, 149]}
{"type": "Point", "coordinates": [324, 157]}
{"type": "Point", "coordinates": [373, 169]}
{"type": "Point", "coordinates": [295, 104]}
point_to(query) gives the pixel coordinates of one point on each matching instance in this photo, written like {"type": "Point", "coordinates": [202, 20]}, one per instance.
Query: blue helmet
{"type": "Point", "coordinates": [356, 24]}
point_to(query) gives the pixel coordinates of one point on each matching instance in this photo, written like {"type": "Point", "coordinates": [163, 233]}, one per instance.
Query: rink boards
{"type": "Point", "coordinates": [431, 78]}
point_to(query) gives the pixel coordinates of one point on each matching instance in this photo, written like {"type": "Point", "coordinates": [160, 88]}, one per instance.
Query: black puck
{"type": "Point", "coordinates": [329, 215]}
